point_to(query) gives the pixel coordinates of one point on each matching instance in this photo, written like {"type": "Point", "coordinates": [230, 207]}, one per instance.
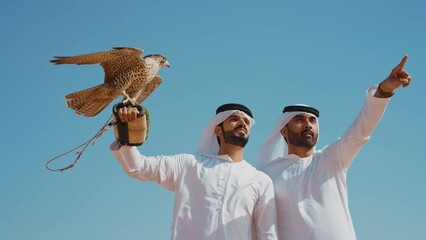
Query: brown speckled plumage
{"type": "Point", "coordinates": [126, 74]}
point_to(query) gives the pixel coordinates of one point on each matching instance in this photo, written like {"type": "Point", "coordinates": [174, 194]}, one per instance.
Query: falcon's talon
{"type": "Point", "coordinates": [129, 101]}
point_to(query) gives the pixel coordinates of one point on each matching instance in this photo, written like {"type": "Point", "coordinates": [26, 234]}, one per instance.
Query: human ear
{"type": "Point", "coordinates": [217, 130]}
{"type": "Point", "coordinates": [283, 131]}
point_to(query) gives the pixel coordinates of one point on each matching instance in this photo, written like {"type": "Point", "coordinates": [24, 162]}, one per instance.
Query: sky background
{"type": "Point", "coordinates": [264, 54]}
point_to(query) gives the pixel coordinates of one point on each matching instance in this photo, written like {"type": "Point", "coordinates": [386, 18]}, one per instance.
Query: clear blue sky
{"type": "Point", "coordinates": [264, 54]}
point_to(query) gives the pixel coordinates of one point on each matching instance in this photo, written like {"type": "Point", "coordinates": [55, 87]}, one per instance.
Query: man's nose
{"type": "Point", "coordinates": [241, 122]}
{"type": "Point", "coordinates": [308, 124]}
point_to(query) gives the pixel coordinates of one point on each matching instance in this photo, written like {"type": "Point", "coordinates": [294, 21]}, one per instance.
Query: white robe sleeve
{"type": "Point", "coordinates": [265, 214]}
{"type": "Point", "coordinates": [345, 149]}
{"type": "Point", "coordinates": [114, 150]}
{"type": "Point", "coordinates": [165, 170]}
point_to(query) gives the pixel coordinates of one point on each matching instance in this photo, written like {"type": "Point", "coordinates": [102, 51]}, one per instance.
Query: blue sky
{"type": "Point", "coordinates": [263, 54]}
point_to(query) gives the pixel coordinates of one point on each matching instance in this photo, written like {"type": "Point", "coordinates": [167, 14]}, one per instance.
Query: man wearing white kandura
{"type": "Point", "coordinates": [218, 195]}
{"type": "Point", "coordinates": [310, 185]}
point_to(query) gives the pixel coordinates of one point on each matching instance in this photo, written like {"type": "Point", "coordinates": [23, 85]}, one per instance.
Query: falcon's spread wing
{"type": "Point", "coordinates": [149, 88]}
{"type": "Point", "coordinates": [111, 61]}
{"type": "Point", "coordinates": [98, 57]}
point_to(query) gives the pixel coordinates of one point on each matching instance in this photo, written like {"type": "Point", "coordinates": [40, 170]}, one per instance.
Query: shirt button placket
{"type": "Point", "coordinates": [223, 183]}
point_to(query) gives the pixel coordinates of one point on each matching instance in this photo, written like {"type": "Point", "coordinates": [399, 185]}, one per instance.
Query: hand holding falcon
{"type": "Point", "coordinates": [126, 74]}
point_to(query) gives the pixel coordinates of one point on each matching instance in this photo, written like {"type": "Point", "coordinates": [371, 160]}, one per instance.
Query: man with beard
{"type": "Point", "coordinates": [310, 185]}
{"type": "Point", "coordinates": [218, 195]}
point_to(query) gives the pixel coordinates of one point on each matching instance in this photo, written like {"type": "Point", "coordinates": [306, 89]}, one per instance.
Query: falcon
{"type": "Point", "coordinates": [126, 74]}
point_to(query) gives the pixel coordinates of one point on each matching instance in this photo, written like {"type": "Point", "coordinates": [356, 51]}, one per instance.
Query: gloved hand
{"type": "Point", "coordinates": [132, 124]}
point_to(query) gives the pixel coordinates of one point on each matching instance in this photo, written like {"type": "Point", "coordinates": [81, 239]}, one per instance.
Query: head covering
{"type": "Point", "coordinates": [208, 144]}
{"type": "Point", "coordinates": [301, 108]}
{"type": "Point", "coordinates": [275, 146]}
{"type": "Point", "coordinates": [234, 106]}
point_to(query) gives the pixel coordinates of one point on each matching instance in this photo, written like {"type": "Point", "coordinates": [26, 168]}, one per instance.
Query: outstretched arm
{"type": "Point", "coordinates": [397, 78]}
{"type": "Point", "coordinates": [346, 148]}
{"type": "Point", "coordinates": [165, 170]}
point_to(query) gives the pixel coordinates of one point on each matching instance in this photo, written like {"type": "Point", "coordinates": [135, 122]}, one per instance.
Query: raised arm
{"type": "Point", "coordinates": [165, 170]}
{"type": "Point", "coordinates": [344, 150]}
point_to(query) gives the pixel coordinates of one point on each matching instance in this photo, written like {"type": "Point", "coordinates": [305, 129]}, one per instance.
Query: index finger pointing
{"type": "Point", "coordinates": [402, 63]}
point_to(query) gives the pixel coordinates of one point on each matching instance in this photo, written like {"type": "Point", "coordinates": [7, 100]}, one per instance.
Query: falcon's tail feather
{"type": "Point", "coordinates": [89, 102]}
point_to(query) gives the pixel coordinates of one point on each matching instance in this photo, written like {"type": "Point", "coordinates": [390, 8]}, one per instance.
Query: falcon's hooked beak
{"type": "Point", "coordinates": [167, 64]}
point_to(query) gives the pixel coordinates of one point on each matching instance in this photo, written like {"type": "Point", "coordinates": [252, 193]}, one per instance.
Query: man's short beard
{"type": "Point", "coordinates": [231, 138]}
{"type": "Point", "coordinates": [298, 140]}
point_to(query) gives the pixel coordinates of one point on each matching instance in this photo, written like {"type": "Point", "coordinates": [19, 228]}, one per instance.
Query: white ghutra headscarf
{"type": "Point", "coordinates": [275, 146]}
{"type": "Point", "coordinates": [208, 144]}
